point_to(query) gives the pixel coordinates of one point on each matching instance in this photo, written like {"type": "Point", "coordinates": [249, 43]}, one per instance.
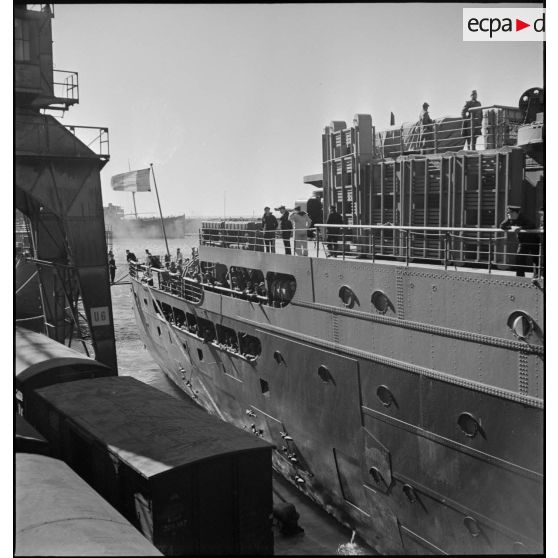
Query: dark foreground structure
{"type": "Point", "coordinates": [59, 514]}
{"type": "Point", "coordinates": [191, 483]}
{"type": "Point", "coordinates": [58, 190]}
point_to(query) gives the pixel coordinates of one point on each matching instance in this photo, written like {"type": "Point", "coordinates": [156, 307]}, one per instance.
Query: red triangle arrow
{"type": "Point", "coordinates": [519, 25]}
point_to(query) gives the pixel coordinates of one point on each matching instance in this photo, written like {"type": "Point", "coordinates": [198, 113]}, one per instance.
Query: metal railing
{"type": "Point", "coordinates": [483, 248]}
{"type": "Point", "coordinates": [190, 286]}
{"type": "Point", "coordinates": [66, 86]}
{"type": "Point", "coordinates": [489, 127]}
{"type": "Point", "coordinates": [184, 287]}
{"type": "Point", "coordinates": [94, 137]}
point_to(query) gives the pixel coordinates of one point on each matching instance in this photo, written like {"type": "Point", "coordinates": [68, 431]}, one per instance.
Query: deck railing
{"type": "Point", "coordinates": [486, 248]}
{"type": "Point", "coordinates": [489, 127]}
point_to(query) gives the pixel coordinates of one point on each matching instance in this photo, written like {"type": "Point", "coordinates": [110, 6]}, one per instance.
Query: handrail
{"type": "Point", "coordinates": [101, 139]}
{"type": "Point", "coordinates": [485, 248]}
{"type": "Point", "coordinates": [68, 89]}
{"type": "Point", "coordinates": [449, 135]}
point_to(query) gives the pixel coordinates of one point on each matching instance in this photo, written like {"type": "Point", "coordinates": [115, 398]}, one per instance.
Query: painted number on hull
{"type": "Point", "coordinates": [100, 316]}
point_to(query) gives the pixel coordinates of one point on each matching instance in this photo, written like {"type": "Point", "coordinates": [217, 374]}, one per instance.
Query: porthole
{"type": "Point", "coordinates": [385, 396]}
{"type": "Point", "coordinates": [145, 301]}
{"type": "Point", "coordinates": [521, 324]}
{"type": "Point", "coordinates": [325, 374]}
{"type": "Point", "coordinates": [375, 474]}
{"type": "Point", "coordinates": [264, 386]}
{"type": "Point", "coordinates": [469, 424]}
{"type": "Point", "coordinates": [347, 296]}
{"type": "Point", "coordinates": [410, 493]}
{"type": "Point", "coordinates": [159, 330]}
{"type": "Point", "coordinates": [472, 526]}
{"type": "Point", "coordinates": [200, 354]}
{"type": "Point", "coordinates": [381, 302]}
{"type": "Point", "coordinates": [278, 357]}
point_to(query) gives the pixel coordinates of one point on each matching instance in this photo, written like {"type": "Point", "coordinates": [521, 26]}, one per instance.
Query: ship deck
{"type": "Point", "coordinates": [315, 251]}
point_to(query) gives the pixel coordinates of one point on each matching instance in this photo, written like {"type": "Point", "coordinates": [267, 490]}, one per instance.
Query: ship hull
{"type": "Point", "coordinates": [402, 472]}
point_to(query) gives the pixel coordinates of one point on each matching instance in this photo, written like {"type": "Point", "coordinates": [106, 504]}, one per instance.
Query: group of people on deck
{"type": "Point", "coordinates": [297, 223]}
{"type": "Point", "coordinates": [471, 124]}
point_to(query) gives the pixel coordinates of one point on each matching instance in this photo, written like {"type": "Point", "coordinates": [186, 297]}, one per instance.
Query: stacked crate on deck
{"type": "Point", "coordinates": [484, 182]}
{"type": "Point", "coordinates": [424, 194]}
{"type": "Point", "coordinates": [469, 189]}
{"type": "Point", "coordinates": [346, 153]}
{"type": "Point", "coordinates": [384, 205]}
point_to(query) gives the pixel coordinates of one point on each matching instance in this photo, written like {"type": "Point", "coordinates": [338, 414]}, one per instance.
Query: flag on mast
{"type": "Point", "coordinates": [133, 181]}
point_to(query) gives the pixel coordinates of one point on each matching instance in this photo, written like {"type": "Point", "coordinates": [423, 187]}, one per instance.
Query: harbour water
{"type": "Point", "coordinates": [133, 358]}
{"type": "Point", "coordinates": [322, 534]}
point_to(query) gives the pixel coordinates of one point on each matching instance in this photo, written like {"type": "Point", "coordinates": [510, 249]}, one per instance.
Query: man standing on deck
{"type": "Point", "coordinates": [286, 228]}
{"type": "Point", "coordinates": [130, 256]}
{"type": "Point", "coordinates": [269, 226]}
{"type": "Point", "coordinates": [333, 233]}
{"type": "Point", "coordinates": [528, 242]}
{"type": "Point", "coordinates": [301, 223]}
{"type": "Point", "coordinates": [475, 116]}
{"type": "Point", "coordinates": [426, 139]}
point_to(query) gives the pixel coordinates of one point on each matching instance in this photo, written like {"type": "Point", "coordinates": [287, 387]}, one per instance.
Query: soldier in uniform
{"type": "Point", "coordinates": [528, 242]}
{"type": "Point", "coordinates": [469, 134]}
{"type": "Point", "coordinates": [333, 233]}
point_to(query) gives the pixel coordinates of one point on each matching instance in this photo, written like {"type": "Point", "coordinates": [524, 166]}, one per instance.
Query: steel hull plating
{"type": "Point", "coordinates": [406, 470]}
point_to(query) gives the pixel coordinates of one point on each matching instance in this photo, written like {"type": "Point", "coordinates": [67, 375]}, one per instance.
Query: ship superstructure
{"type": "Point", "coordinates": [399, 368]}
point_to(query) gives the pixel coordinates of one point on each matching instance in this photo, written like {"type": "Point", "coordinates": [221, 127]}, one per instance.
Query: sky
{"type": "Point", "coordinates": [229, 101]}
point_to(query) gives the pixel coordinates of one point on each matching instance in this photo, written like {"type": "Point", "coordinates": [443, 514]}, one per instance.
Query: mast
{"type": "Point", "coordinates": [133, 194]}
{"type": "Point", "coordinates": [160, 212]}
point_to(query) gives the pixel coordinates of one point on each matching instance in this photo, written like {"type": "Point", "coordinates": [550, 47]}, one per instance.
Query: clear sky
{"type": "Point", "coordinates": [231, 100]}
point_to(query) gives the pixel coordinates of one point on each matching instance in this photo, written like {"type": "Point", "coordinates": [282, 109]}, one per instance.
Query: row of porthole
{"type": "Point", "coordinates": [468, 423]}
{"type": "Point", "coordinates": [244, 345]}
{"type": "Point", "coordinates": [520, 323]}
{"type": "Point", "coordinates": [470, 523]}
{"type": "Point", "coordinates": [379, 299]}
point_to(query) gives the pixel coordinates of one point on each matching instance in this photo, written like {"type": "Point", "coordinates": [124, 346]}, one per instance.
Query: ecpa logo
{"type": "Point", "coordinates": [503, 24]}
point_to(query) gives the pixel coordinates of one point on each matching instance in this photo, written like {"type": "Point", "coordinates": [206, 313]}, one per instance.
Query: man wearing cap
{"type": "Point", "coordinates": [269, 226]}
{"type": "Point", "coordinates": [286, 228]}
{"type": "Point", "coordinates": [425, 123]}
{"type": "Point", "coordinates": [475, 116]}
{"type": "Point", "coordinates": [528, 242]}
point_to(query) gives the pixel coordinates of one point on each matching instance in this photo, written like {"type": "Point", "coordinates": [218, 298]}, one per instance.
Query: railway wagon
{"type": "Point", "coordinates": [41, 361]}
{"type": "Point", "coordinates": [192, 483]}
{"type": "Point", "coordinates": [27, 439]}
{"type": "Point", "coordinates": [58, 514]}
